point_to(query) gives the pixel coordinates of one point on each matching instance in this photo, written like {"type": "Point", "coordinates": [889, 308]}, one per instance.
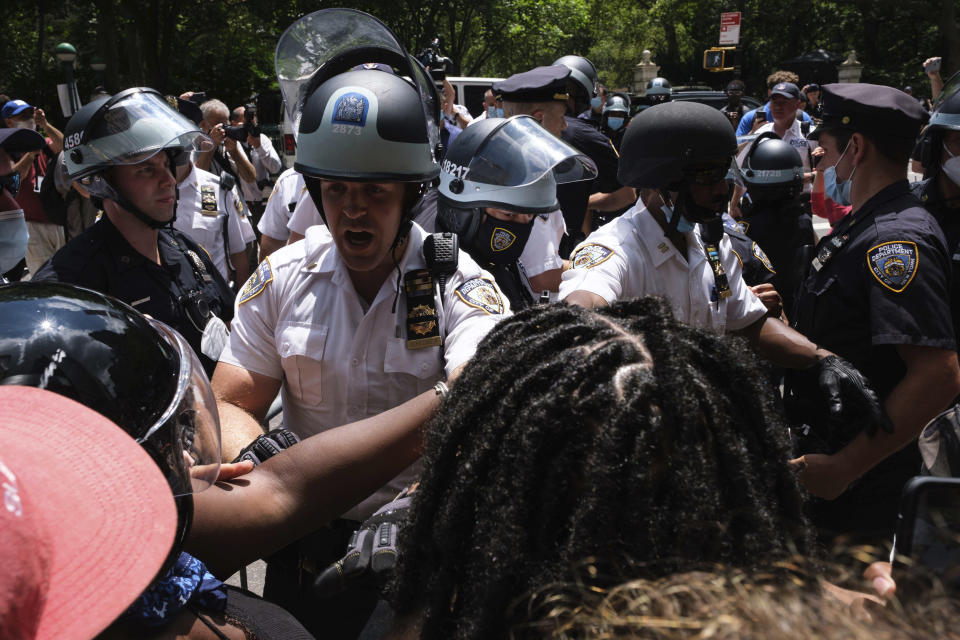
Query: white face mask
{"type": "Point", "coordinates": [25, 124]}
{"type": "Point", "coordinates": [952, 166]}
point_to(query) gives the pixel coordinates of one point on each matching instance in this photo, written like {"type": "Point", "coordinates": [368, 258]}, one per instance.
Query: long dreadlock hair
{"type": "Point", "coordinates": [608, 433]}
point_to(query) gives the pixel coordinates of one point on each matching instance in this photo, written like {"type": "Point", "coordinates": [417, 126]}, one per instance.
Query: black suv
{"type": "Point", "coordinates": [703, 95]}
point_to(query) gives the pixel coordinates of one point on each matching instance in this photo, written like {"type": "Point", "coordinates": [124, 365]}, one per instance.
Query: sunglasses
{"type": "Point", "coordinates": [11, 183]}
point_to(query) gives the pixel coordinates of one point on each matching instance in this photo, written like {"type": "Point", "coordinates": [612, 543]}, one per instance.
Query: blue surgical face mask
{"type": "Point", "coordinates": [839, 192]}
{"type": "Point", "coordinates": [13, 239]}
{"type": "Point", "coordinates": [499, 112]}
{"type": "Point", "coordinates": [595, 102]}
{"type": "Point", "coordinates": [615, 123]}
{"type": "Point", "coordinates": [491, 112]}
{"type": "Point", "coordinates": [684, 225]}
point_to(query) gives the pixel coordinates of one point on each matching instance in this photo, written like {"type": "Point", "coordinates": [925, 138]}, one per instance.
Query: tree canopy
{"type": "Point", "coordinates": [226, 48]}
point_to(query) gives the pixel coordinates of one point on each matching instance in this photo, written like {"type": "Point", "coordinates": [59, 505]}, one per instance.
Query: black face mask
{"type": "Point", "coordinates": [500, 241]}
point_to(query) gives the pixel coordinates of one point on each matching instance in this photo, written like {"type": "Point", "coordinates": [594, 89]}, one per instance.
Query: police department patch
{"type": "Point", "coordinates": [590, 255]}
{"type": "Point", "coordinates": [351, 108]}
{"type": "Point", "coordinates": [257, 282]}
{"type": "Point", "coordinates": [502, 239]}
{"type": "Point", "coordinates": [762, 257]}
{"type": "Point", "coordinates": [894, 264]}
{"type": "Point", "coordinates": [481, 294]}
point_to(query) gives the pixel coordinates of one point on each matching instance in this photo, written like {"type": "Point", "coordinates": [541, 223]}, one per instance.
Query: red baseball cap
{"type": "Point", "coordinates": [87, 517]}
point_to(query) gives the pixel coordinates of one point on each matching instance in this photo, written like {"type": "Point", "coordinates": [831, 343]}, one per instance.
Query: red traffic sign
{"type": "Point", "coordinates": [730, 28]}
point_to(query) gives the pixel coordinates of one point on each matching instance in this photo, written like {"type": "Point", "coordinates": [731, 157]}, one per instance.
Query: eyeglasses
{"type": "Point", "coordinates": [11, 183]}
{"type": "Point", "coordinates": [706, 175]}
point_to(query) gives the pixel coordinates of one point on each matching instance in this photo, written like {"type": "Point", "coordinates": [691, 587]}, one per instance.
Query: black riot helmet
{"type": "Point", "coordinates": [378, 121]}
{"type": "Point", "coordinates": [772, 170]}
{"type": "Point", "coordinates": [512, 164]}
{"type": "Point", "coordinates": [137, 372]}
{"type": "Point", "coordinates": [128, 128]}
{"type": "Point", "coordinates": [671, 146]}
{"type": "Point", "coordinates": [584, 74]}
{"type": "Point", "coordinates": [665, 141]}
{"type": "Point", "coordinates": [945, 117]}
{"type": "Point", "coordinates": [659, 90]}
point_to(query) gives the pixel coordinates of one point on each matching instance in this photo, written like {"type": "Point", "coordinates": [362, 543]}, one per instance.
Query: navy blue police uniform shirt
{"type": "Point", "coordinates": [887, 285]}
{"type": "Point", "coordinates": [573, 196]}
{"type": "Point", "coordinates": [755, 266]}
{"type": "Point", "coordinates": [783, 232]}
{"type": "Point", "coordinates": [949, 219]}
{"type": "Point", "coordinates": [101, 259]}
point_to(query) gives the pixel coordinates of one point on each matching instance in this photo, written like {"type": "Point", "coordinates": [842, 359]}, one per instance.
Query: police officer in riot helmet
{"type": "Point", "coordinates": [124, 150]}
{"type": "Point", "coordinates": [605, 193]}
{"type": "Point", "coordinates": [676, 248]}
{"type": "Point", "coordinates": [773, 215]}
{"type": "Point", "coordinates": [496, 178]}
{"type": "Point", "coordinates": [659, 91]}
{"type": "Point", "coordinates": [616, 117]}
{"type": "Point", "coordinates": [368, 312]}
{"type": "Point", "coordinates": [938, 150]}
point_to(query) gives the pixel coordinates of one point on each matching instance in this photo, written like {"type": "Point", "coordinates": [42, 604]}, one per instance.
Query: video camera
{"type": "Point", "coordinates": [249, 127]}
{"type": "Point", "coordinates": [438, 64]}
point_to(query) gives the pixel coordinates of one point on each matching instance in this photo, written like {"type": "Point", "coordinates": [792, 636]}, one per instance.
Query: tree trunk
{"type": "Point", "coordinates": [950, 35]}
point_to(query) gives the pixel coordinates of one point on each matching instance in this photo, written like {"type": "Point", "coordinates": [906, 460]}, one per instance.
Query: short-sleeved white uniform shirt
{"type": "Point", "coordinates": [631, 256]}
{"type": "Point", "coordinates": [202, 208]}
{"type": "Point", "coordinates": [299, 320]}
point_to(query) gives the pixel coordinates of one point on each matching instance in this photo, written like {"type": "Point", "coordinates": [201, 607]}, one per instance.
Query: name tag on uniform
{"type": "Point", "coordinates": [208, 201]}
{"type": "Point", "coordinates": [423, 325]}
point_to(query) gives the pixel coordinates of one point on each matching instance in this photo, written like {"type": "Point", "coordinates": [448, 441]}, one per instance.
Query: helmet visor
{"type": "Point", "coordinates": [139, 126]}
{"type": "Point", "coordinates": [187, 434]}
{"type": "Point", "coordinates": [521, 152]}
{"type": "Point", "coordinates": [325, 43]}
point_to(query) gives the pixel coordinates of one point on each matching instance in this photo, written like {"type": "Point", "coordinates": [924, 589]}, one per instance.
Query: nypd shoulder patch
{"type": "Point", "coordinates": [590, 255]}
{"type": "Point", "coordinates": [501, 240]}
{"type": "Point", "coordinates": [481, 293]}
{"type": "Point", "coordinates": [894, 263]}
{"type": "Point", "coordinates": [256, 283]}
{"type": "Point", "coordinates": [762, 257]}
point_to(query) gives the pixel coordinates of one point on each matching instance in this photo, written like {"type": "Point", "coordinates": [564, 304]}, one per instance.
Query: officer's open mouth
{"type": "Point", "coordinates": [358, 237]}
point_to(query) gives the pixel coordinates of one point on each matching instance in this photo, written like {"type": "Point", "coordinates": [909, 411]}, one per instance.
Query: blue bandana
{"type": "Point", "coordinates": [188, 581]}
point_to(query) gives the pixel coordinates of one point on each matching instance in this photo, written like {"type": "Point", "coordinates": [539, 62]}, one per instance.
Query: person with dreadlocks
{"type": "Point", "coordinates": [611, 433]}
{"type": "Point", "coordinates": [124, 150]}
{"type": "Point", "coordinates": [368, 311]}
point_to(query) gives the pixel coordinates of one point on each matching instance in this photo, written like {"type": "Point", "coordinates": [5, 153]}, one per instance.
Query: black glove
{"type": "Point", "coordinates": [371, 553]}
{"type": "Point", "coordinates": [850, 398]}
{"type": "Point", "coordinates": [267, 446]}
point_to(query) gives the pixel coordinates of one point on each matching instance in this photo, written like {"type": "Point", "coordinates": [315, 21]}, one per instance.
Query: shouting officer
{"type": "Point", "coordinates": [676, 248]}
{"type": "Point", "coordinates": [878, 294]}
{"type": "Point", "coordinates": [497, 178]}
{"type": "Point", "coordinates": [368, 311]}
{"type": "Point", "coordinates": [123, 150]}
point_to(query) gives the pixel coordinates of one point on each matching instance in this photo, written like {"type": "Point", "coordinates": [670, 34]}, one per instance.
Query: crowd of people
{"type": "Point", "coordinates": [539, 373]}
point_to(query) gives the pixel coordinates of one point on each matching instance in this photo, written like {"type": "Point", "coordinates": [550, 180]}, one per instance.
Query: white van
{"type": "Point", "coordinates": [470, 91]}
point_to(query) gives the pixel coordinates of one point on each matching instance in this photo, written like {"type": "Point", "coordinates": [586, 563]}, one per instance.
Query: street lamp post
{"type": "Point", "coordinates": [67, 55]}
{"type": "Point", "coordinates": [98, 65]}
